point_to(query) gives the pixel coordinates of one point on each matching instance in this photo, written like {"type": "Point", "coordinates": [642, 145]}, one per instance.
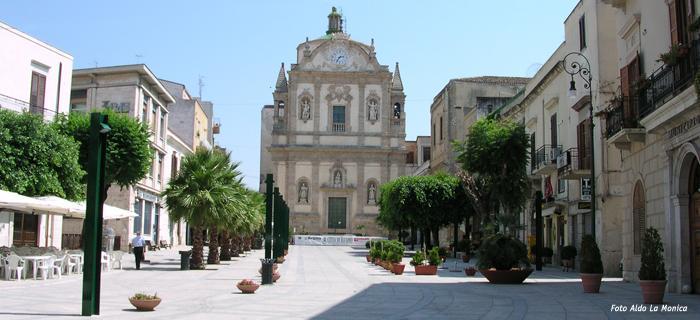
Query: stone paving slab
{"type": "Point", "coordinates": [327, 283]}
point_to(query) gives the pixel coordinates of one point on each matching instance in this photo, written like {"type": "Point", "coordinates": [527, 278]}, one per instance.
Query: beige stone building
{"type": "Point", "coordinates": [335, 132]}
{"type": "Point", "coordinates": [457, 106]}
{"type": "Point", "coordinates": [652, 131]}
{"type": "Point", "coordinates": [136, 91]}
{"type": "Point", "coordinates": [560, 140]}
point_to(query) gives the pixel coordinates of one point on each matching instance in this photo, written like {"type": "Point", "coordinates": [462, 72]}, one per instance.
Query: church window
{"type": "Point", "coordinates": [339, 118]}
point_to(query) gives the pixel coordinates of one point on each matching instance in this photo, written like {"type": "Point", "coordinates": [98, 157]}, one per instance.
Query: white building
{"type": "Point", "coordinates": [34, 77]}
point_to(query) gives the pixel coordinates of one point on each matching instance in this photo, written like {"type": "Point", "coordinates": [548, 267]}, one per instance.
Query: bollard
{"type": "Point", "coordinates": [267, 270]}
{"type": "Point", "coordinates": [185, 260]}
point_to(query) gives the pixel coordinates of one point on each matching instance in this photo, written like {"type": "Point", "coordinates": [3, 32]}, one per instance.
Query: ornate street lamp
{"type": "Point", "coordinates": [576, 63]}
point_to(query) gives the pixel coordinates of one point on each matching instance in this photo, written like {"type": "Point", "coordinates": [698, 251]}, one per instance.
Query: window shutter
{"type": "Point", "coordinates": [553, 129]}
{"type": "Point", "coordinates": [673, 18]}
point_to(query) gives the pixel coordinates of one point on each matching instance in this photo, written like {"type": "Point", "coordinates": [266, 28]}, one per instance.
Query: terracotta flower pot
{"type": "Point", "coordinates": [426, 270]}
{"type": "Point", "coordinates": [248, 288]}
{"type": "Point", "coordinates": [470, 271]}
{"type": "Point", "coordinates": [591, 282]}
{"type": "Point", "coordinates": [653, 291]}
{"type": "Point", "coordinates": [466, 258]}
{"type": "Point", "coordinates": [386, 265]}
{"type": "Point", "coordinates": [513, 276]}
{"type": "Point", "coordinates": [397, 268]}
{"type": "Point", "coordinates": [145, 305]}
{"type": "Point", "coordinates": [369, 259]}
{"type": "Point", "coordinates": [275, 277]}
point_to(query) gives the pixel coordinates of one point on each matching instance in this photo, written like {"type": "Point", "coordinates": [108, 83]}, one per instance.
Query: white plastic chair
{"type": "Point", "coordinates": [70, 265]}
{"type": "Point", "coordinates": [116, 257]}
{"type": "Point", "coordinates": [14, 264]}
{"type": "Point", "coordinates": [58, 265]}
{"type": "Point", "coordinates": [105, 261]}
{"type": "Point", "coordinates": [46, 267]}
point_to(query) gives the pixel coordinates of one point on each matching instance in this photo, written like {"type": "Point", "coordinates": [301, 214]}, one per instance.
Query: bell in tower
{"type": "Point", "coordinates": [335, 22]}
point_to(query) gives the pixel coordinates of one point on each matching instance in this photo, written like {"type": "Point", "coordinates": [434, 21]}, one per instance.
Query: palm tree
{"type": "Point", "coordinates": [206, 191]}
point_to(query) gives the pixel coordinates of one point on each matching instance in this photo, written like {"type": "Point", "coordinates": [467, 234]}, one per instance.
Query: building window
{"type": "Point", "coordinates": [139, 216]}
{"type": "Point", "coordinates": [144, 111]}
{"type": "Point", "coordinates": [160, 168]}
{"type": "Point", "coordinates": [26, 229]}
{"type": "Point", "coordinates": [280, 109]}
{"type": "Point", "coordinates": [339, 118]}
{"type": "Point", "coordinates": [397, 111]}
{"type": "Point", "coordinates": [162, 128]}
{"type": "Point", "coordinates": [561, 185]}
{"type": "Point", "coordinates": [553, 130]}
{"type": "Point", "coordinates": [434, 134]}
{"type": "Point", "coordinates": [173, 166]}
{"type": "Point", "coordinates": [147, 212]}
{"type": "Point", "coordinates": [78, 101]}
{"type": "Point", "coordinates": [638, 216]}
{"type": "Point", "coordinates": [410, 157]}
{"type": "Point", "coordinates": [582, 31]}
{"type": "Point", "coordinates": [154, 116]}
{"type": "Point", "coordinates": [37, 94]}
{"type": "Point", "coordinates": [584, 143]}
{"type": "Point", "coordinates": [426, 154]}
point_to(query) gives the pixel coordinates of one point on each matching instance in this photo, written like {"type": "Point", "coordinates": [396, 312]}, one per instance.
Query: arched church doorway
{"type": "Point", "coordinates": [694, 193]}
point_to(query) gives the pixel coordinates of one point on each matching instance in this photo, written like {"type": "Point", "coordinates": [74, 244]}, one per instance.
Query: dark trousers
{"type": "Point", "coordinates": [138, 254]}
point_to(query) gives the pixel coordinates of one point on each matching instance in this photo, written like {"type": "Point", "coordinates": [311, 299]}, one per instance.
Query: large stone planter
{"type": "Point", "coordinates": [513, 276]}
{"type": "Point", "coordinates": [145, 305]}
{"type": "Point", "coordinates": [248, 288]}
{"type": "Point", "coordinates": [426, 270]}
{"type": "Point", "coordinates": [653, 291]}
{"type": "Point", "coordinates": [397, 268]}
{"type": "Point", "coordinates": [591, 282]}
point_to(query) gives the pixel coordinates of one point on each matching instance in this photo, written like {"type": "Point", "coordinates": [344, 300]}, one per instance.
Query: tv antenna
{"type": "Point", "coordinates": [200, 83]}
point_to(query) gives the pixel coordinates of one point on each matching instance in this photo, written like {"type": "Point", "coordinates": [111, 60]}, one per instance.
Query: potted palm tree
{"type": "Point", "coordinates": [568, 254]}
{"type": "Point", "coordinates": [591, 265]}
{"type": "Point", "coordinates": [503, 259]}
{"type": "Point", "coordinates": [396, 249]}
{"type": "Point", "coordinates": [652, 274]}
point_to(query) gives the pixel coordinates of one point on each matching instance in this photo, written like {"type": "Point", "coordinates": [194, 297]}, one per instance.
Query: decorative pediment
{"type": "Point", "coordinates": [339, 93]}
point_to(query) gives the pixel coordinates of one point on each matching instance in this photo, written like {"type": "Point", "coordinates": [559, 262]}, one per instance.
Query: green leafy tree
{"type": "Point", "coordinates": [590, 255]}
{"type": "Point", "coordinates": [653, 266]}
{"type": "Point", "coordinates": [205, 193]}
{"type": "Point", "coordinates": [129, 154]}
{"type": "Point", "coordinates": [493, 160]}
{"type": "Point", "coordinates": [36, 160]}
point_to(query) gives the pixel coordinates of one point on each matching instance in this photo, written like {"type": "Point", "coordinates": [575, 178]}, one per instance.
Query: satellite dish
{"type": "Point", "coordinates": [532, 69]}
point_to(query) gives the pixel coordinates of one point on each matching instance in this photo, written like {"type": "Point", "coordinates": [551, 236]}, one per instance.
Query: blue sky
{"type": "Point", "coordinates": [237, 46]}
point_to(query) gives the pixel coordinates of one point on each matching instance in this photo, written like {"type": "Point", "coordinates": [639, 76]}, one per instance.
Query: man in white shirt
{"type": "Point", "coordinates": [137, 244]}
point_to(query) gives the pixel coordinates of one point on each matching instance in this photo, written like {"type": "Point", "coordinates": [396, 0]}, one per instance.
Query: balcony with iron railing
{"type": "Point", "coordinates": [622, 122]}
{"type": "Point", "coordinates": [669, 81]}
{"type": "Point", "coordinates": [544, 161]}
{"type": "Point", "coordinates": [571, 165]}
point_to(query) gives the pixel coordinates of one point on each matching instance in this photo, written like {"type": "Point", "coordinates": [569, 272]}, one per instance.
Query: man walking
{"type": "Point", "coordinates": [137, 244]}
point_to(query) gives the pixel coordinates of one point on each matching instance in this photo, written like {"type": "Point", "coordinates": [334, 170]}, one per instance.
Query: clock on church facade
{"type": "Point", "coordinates": [335, 133]}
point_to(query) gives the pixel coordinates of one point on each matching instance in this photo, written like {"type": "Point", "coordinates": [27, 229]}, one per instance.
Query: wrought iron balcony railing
{"type": "Point", "coordinates": [669, 80]}
{"type": "Point", "coordinates": [570, 161]}
{"type": "Point", "coordinates": [545, 157]}
{"type": "Point", "coordinates": [623, 113]}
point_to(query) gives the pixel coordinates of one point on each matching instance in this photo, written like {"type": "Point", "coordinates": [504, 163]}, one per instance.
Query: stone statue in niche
{"type": "Point", "coordinates": [305, 109]}
{"type": "Point", "coordinates": [373, 110]}
{"type": "Point", "coordinates": [372, 194]}
{"type": "Point", "coordinates": [303, 193]}
{"type": "Point", "coordinates": [338, 179]}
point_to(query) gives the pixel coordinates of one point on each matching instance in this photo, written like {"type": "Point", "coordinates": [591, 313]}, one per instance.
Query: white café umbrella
{"type": "Point", "coordinates": [18, 202]}
{"type": "Point", "coordinates": [77, 209]}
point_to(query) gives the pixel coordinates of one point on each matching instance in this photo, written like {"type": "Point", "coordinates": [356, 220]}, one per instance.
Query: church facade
{"type": "Point", "coordinates": [335, 133]}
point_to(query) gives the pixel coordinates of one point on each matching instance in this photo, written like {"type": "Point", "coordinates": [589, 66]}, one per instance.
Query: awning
{"type": "Point", "coordinates": [77, 209]}
{"type": "Point", "coordinates": [18, 202]}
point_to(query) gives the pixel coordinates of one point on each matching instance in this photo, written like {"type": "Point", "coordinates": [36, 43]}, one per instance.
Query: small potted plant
{"type": "Point", "coordinates": [591, 265]}
{"type": "Point", "coordinates": [145, 302]}
{"type": "Point", "coordinates": [247, 286]}
{"type": "Point", "coordinates": [396, 250]}
{"type": "Point", "coordinates": [433, 262]}
{"type": "Point", "coordinates": [275, 276]}
{"type": "Point", "coordinates": [503, 259]}
{"type": "Point", "coordinates": [470, 271]}
{"type": "Point", "coordinates": [442, 253]}
{"type": "Point", "coordinates": [568, 254]}
{"type": "Point", "coordinates": [652, 273]}
{"type": "Point", "coordinates": [547, 254]}
{"type": "Point", "coordinates": [672, 56]}
{"type": "Point", "coordinates": [465, 246]}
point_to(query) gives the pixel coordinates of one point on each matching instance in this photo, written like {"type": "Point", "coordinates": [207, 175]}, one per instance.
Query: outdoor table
{"type": "Point", "coordinates": [35, 260]}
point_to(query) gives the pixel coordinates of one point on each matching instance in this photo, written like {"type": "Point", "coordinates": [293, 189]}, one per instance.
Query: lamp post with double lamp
{"type": "Point", "coordinates": [576, 63]}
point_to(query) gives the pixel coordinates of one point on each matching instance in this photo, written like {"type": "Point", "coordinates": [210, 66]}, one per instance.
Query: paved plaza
{"type": "Point", "coordinates": [328, 283]}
